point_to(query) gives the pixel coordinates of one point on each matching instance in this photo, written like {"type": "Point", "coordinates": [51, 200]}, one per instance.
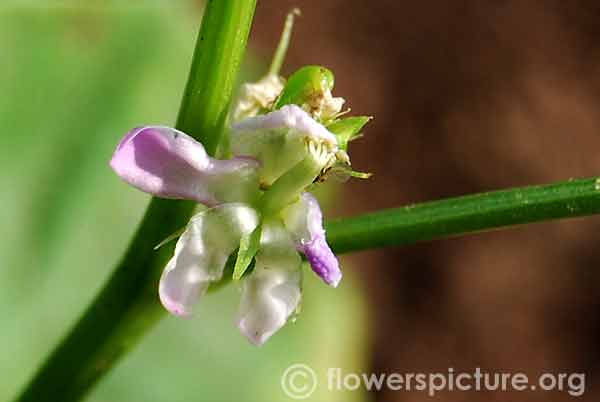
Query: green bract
{"type": "Point", "coordinates": [249, 245]}
{"type": "Point", "coordinates": [348, 129]}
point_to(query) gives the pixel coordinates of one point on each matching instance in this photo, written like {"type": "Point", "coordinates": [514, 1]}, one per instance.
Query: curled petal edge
{"type": "Point", "coordinates": [272, 292]}
{"type": "Point", "coordinates": [201, 254]}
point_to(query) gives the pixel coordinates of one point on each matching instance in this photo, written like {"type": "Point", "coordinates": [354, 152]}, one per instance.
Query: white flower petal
{"type": "Point", "coordinates": [201, 253]}
{"type": "Point", "coordinates": [272, 292]}
{"type": "Point", "coordinates": [257, 96]}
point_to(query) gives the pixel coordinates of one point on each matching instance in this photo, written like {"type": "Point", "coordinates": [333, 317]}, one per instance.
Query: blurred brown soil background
{"type": "Point", "coordinates": [468, 96]}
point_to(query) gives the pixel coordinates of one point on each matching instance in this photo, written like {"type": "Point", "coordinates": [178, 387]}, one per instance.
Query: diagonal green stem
{"type": "Point", "coordinates": [127, 306]}
{"type": "Point", "coordinates": [472, 213]}
{"type": "Point", "coordinates": [219, 51]}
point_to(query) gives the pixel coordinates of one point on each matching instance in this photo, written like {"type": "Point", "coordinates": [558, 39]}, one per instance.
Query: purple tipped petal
{"type": "Point", "coordinates": [168, 163]}
{"type": "Point", "coordinates": [304, 220]}
{"type": "Point", "coordinates": [322, 260]}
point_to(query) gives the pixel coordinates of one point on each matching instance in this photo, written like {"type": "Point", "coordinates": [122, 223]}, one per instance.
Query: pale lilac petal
{"type": "Point", "coordinates": [278, 139]}
{"type": "Point", "coordinates": [272, 292]}
{"type": "Point", "coordinates": [304, 220]}
{"type": "Point", "coordinates": [168, 163]}
{"type": "Point", "coordinates": [289, 116]}
{"type": "Point", "coordinates": [201, 254]}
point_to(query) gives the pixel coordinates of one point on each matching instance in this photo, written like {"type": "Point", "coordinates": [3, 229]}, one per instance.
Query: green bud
{"type": "Point", "coordinates": [348, 129]}
{"type": "Point", "coordinates": [305, 85]}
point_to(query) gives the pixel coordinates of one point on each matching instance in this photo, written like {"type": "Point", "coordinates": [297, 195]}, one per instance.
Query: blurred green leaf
{"type": "Point", "coordinates": [75, 79]}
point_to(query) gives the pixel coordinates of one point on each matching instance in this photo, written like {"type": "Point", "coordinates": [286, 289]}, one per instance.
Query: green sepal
{"type": "Point", "coordinates": [306, 84]}
{"type": "Point", "coordinates": [284, 42]}
{"type": "Point", "coordinates": [348, 129]}
{"type": "Point", "coordinates": [249, 245]}
{"type": "Point", "coordinates": [170, 238]}
{"type": "Point", "coordinates": [360, 175]}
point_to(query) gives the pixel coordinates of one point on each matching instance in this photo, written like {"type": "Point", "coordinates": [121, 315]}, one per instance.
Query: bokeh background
{"type": "Point", "coordinates": [467, 96]}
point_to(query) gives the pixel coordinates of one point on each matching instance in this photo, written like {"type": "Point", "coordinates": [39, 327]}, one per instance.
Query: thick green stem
{"type": "Point", "coordinates": [128, 305]}
{"type": "Point", "coordinates": [219, 51]}
{"type": "Point", "coordinates": [472, 213]}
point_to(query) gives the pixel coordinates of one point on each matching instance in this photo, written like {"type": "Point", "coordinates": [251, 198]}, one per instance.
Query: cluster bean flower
{"type": "Point", "coordinates": [259, 193]}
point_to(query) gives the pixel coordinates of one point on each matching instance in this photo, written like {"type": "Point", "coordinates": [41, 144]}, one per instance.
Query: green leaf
{"type": "Point", "coordinates": [126, 308]}
{"type": "Point", "coordinates": [307, 83]}
{"type": "Point", "coordinates": [248, 248]}
{"type": "Point", "coordinates": [348, 129]}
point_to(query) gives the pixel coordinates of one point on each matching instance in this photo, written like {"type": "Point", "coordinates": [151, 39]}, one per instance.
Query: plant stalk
{"type": "Point", "coordinates": [127, 307]}
{"type": "Point", "coordinates": [468, 214]}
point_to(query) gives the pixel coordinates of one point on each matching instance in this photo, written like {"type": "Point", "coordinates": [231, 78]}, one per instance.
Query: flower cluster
{"type": "Point", "coordinates": [257, 201]}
